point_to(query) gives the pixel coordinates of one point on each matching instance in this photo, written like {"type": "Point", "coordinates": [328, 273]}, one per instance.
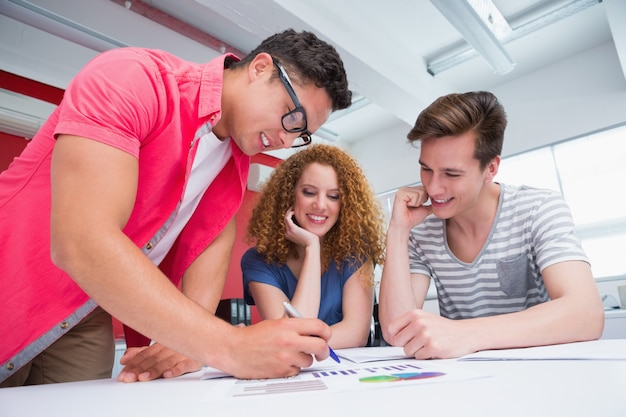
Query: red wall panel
{"type": "Point", "coordinates": [10, 147]}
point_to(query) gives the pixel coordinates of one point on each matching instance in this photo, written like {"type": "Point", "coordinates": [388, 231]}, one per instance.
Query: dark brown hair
{"type": "Point", "coordinates": [479, 112]}
{"type": "Point", "coordinates": [307, 59]}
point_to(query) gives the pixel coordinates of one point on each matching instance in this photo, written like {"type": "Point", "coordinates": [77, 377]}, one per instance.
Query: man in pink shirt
{"type": "Point", "coordinates": [129, 190]}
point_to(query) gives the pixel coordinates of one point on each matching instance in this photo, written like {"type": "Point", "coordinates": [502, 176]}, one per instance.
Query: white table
{"type": "Point", "coordinates": [512, 388]}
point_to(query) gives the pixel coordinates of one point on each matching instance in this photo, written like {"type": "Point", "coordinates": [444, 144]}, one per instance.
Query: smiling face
{"type": "Point", "coordinates": [452, 175]}
{"type": "Point", "coordinates": [254, 112]}
{"type": "Point", "coordinates": [318, 199]}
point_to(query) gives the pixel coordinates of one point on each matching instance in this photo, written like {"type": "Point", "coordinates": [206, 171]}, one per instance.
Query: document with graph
{"type": "Point", "coordinates": [340, 377]}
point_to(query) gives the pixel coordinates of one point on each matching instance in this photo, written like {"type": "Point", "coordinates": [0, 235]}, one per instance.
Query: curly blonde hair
{"type": "Point", "coordinates": [359, 232]}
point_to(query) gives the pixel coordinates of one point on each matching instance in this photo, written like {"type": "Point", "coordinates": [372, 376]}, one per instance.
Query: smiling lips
{"type": "Point", "coordinates": [440, 201]}
{"type": "Point", "coordinates": [317, 219]}
{"type": "Point", "coordinates": [265, 140]}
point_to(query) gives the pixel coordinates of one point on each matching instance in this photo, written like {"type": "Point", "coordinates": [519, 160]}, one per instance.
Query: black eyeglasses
{"type": "Point", "coordinates": [295, 120]}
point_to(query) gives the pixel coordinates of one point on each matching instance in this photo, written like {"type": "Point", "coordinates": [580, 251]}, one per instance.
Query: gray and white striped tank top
{"type": "Point", "coordinates": [533, 229]}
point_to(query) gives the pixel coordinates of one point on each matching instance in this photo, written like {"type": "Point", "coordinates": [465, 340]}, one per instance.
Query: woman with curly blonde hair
{"type": "Point", "coordinates": [319, 232]}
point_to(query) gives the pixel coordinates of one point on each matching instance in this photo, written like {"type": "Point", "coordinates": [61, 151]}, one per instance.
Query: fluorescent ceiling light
{"type": "Point", "coordinates": [479, 21]}
{"type": "Point", "coordinates": [522, 25]}
{"type": "Point", "coordinates": [326, 134]}
{"type": "Point", "coordinates": [38, 17]}
{"type": "Point", "coordinates": [491, 17]}
{"type": "Point", "coordinates": [19, 124]}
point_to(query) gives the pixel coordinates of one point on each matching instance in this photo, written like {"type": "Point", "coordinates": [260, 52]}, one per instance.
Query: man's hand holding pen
{"type": "Point", "coordinates": [292, 312]}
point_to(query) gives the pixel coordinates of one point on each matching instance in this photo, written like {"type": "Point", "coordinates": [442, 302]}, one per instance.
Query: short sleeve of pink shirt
{"type": "Point", "coordinates": [115, 99]}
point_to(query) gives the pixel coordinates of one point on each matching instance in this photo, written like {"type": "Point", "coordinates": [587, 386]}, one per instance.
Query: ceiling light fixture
{"type": "Point", "coordinates": [522, 25]}
{"type": "Point", "coordinates": [50, 22]}
{"type": "Point", "coordinates": [19, 124]}
{"type": "Point", "coordinates": [327, 134]}
{"type": "Point", "coordinates": [358, 102]}
{"type": "Point", "coordinates": [480, 23]}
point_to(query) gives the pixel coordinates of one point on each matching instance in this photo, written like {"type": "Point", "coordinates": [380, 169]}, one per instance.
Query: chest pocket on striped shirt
{"type": "Point", "coordinates": [515, 276]}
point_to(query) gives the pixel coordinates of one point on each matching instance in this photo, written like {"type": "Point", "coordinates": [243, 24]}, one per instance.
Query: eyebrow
{"type": "Point", "coordinates": [448, 170]}
{"type": "Point", "coordinates": [317, 188]}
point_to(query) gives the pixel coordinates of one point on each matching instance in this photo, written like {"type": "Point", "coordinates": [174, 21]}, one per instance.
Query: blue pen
{"type": "Point", "coordinates": [292, 312]}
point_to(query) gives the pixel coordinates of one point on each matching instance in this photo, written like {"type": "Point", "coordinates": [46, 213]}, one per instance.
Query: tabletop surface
{"type": "Point", "coordinates": [593, 386]}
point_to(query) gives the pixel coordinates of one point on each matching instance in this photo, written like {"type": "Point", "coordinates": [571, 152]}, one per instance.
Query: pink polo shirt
{"type": "Point", "coordinates": [145, 102]}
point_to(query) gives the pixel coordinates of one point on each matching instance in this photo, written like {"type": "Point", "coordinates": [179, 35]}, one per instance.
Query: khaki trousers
{"type": "Point", "coordinates": [85, 352]}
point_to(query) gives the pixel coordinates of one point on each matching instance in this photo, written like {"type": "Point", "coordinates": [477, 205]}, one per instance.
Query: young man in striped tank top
{"type": "Point", "coordinates": [508, 267]}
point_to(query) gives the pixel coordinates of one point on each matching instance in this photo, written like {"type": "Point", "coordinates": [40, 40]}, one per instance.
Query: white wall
{"type": "Point", "coordinates": [387, 158]}
{"type": "Point", "coordinates": [574, 97]}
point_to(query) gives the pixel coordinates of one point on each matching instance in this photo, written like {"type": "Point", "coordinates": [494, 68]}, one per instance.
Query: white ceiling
{"type": "Point", "coordinates": [384, 45]}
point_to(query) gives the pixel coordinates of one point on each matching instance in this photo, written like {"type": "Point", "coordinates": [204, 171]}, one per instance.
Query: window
{"type": "Point", "coordinates": [515, 170]}
{"type": "Point", "coordinates": [590, 172]}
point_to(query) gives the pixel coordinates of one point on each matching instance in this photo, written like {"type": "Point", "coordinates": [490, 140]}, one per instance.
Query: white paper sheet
{"type": "Point", "coordinates": [372, 354]}
{"type": "Point", "coordinates": [342, 377]}
{"type": "Point", "coordinates": [605, 349]}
